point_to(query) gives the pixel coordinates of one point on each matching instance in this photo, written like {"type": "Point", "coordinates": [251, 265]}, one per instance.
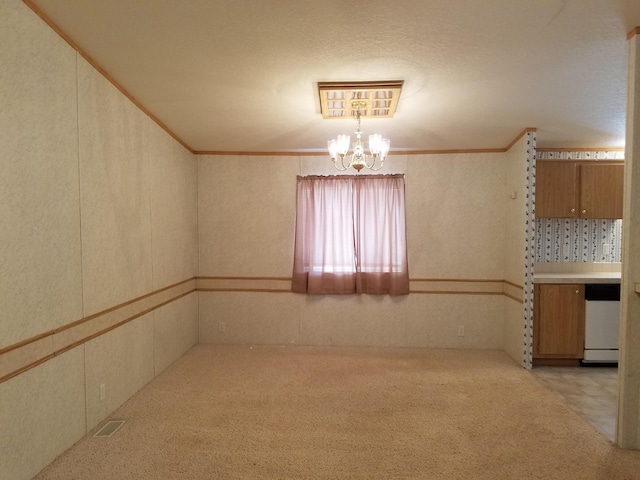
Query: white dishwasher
{"type": "Point", "coordinates": [602, 323]}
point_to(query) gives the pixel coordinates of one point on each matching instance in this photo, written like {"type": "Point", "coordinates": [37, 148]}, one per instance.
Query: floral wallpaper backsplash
{"type": "Point", "coordinates": [578, 240]}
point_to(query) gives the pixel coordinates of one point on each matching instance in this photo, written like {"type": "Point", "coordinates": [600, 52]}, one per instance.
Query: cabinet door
{"type": "Point", "coordinates": [601, 190]}
{"type": "Point", "coordinates": [556, 189]}
{"type": "Point", "coordinates": [559, 321]}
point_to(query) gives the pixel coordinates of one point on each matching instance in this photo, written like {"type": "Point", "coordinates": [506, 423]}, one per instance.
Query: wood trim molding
{"type": "Point", "coordinates": [103, 72]}
{"type": "Point", "coordinates": [513, 284]}
{"type": "Point", "coordinates": [414, 152]}
{"type": "Point", "coordinates": [598, 149]}
{"type": "Point", "coordinates": [326, 154]}
{"type": "Point", "coordinates": [447, 286]}
{"type": "Point", "coordinates": [244, 284]}
{"type": "Point", "coordinates": [469, 280]}
{"type": "Point", "coordinates": [242, 278]}
{"type": "Point", "coordinates": [448, 152]}
{"type": "Point", "coordinates": [454, 292]}
{"type": "Point", "coordinates": [464, 286]}
{"type": "Point", "coordinates": [22, 356]}
{"type": "Point", "coordinates": [632, 33]}
{"type": "Point", "coordinates": [91, 317]}
{"type": "Point", "coordinates": [520, 135]}
{"type": "Point", "coordinates": [262, 154]}
{"type": "Point", "coordinates": [519, 300]}
{"type": "Point", "coordinates": [397, 152]}
{"type": "Point", "coordinates": [603, 161]}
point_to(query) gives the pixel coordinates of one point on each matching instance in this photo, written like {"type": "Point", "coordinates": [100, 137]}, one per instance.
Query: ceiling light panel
{"type": "Point", "coordinates": [374, 99]}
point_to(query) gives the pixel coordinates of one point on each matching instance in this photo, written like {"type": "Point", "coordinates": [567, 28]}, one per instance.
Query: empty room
{"type": "Point", "coordinates": [337, 239]}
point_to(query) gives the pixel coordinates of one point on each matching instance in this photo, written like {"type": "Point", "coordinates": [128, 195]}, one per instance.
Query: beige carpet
{"type": "Point", "coordinates": [242, 412]}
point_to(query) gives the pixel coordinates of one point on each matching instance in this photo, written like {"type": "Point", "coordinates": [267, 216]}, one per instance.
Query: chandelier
{"type": "Point", "coordinates": [358, 159]}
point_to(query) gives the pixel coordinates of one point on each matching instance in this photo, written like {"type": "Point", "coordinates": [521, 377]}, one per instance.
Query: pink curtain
{"type": "Point", "coordinates": [351, 235]}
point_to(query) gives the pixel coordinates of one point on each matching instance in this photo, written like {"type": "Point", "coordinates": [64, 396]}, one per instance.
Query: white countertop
{"type": "Point", "coordinates": [582, 277]}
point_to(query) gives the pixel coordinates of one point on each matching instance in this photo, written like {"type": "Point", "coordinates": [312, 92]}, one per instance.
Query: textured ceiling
{"type": "Point", "coordinates": [241, 75]}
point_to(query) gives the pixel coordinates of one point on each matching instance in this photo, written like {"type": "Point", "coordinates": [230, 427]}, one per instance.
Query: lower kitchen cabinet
{"type": "Point", "coordinates": [558, 324]}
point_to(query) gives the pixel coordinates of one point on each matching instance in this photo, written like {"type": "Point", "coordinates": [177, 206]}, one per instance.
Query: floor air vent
{"type": "Point", "coordinates": [110, 428]}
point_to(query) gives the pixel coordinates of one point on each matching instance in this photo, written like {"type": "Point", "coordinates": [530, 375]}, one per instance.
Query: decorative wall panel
{"type": "Point", "coordinates": [530, 235]}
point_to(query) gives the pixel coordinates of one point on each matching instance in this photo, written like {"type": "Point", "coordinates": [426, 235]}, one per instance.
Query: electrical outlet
{"type": "Point", "coordinates": [103, 391]}
{"type": "Point", "coordinates": [461, 330]}
{"type": "Point", "coordinates": [222, 327]}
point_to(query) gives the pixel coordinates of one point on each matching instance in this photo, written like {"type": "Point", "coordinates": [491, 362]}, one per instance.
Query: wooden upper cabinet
{"type": "Point", "coordinates": [566, 189]}
{"type": "Point", "coordinates": [556, 189]}
{"type": "Point", "coordinates": [601, 190]}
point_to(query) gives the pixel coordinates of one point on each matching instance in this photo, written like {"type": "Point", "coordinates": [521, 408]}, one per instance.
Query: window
{"type": "Point", "coordinates": [350, 235]}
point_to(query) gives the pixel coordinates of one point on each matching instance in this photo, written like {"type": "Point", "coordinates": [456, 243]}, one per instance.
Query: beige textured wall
{"type": "Point", "coordinates": [628, 431]}
{"type": "Point", "coordinates": [455, 215]}
{"type": "Point", "coordinates": [97, 207]}
{"type": "Point", "coordinates": [174, 212]}
{"type": "Point", "coordinates": [514, 231]}
{"type": "Point", "coordinates": [40, 268]}
{"type": "Point", "coordinates": [246, 215]}
{"type": "Point", "coordinates": [114, 189]}
{"type": "Point", "coordinates": [42, 413]}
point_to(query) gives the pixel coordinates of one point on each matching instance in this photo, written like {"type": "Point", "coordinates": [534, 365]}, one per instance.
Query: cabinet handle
{"type": "Point", "coordinates": [584, 211]}
{"type": "Point", "coordinates": [577, 291]}
{"type": "Point", "coordinates": [573, 210]}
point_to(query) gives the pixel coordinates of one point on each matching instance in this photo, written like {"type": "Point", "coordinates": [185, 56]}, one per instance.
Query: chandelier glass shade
{"type": "Point", "coordinates": [358, 158]}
